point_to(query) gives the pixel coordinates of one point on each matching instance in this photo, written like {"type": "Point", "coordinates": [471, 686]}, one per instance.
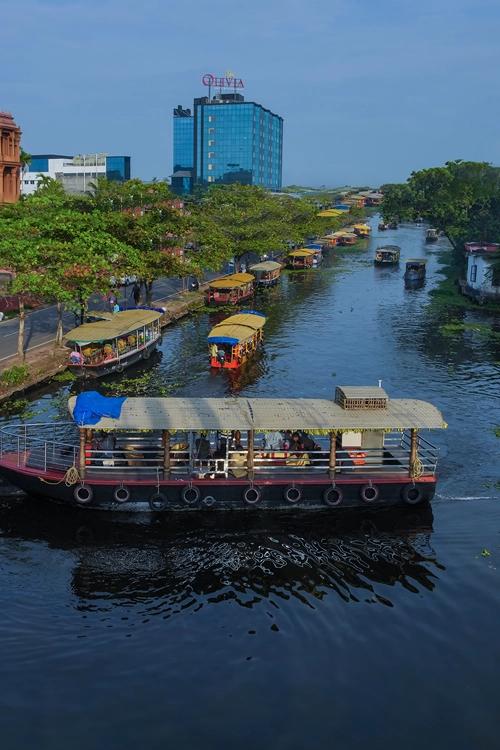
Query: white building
{"type": "Point", "coordinates": [483, 280]}
{"type": "Point", "coordinates": [76, 173]}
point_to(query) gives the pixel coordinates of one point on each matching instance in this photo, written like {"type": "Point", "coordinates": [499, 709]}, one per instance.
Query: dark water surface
{"type": "Point", "coordinates": [377, 630]}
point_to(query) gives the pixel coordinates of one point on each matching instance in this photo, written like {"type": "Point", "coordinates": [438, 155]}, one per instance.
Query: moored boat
{"type": "Point", "coordinates": [432, 235]}
{"type": "Point", "coordinates": [360, 450]}
{"type": "Point", "coordinates": [382, 226]}
{"type": "Point", "coordinates": [348, 239]}
{"type": "Point", "coordinates": [234, 339]}
{"type": "Point", "coordinates": [266, 273]}
{"type": "Point", "coordinates": [415, 271]}
{"type": "Point", "coordinates": [362, 229]}
{"type": "Point", "coordinates": [301, 259]}
{"type": "Point", "coordinates": [114, 342]}
{"type": "Point", "coordinates": [230, 290]}
{"type": "Point", "coordinates": [387, 255]}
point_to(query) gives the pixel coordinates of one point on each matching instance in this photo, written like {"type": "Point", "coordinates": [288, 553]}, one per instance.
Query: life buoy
{"type": "Point", "coordinates": [119, 367]}
{"type": "Point", "coordinates": [158, 501]}
{"type": "Point", "coordinates": [252, 495]}
{"type": "Point", "coordinates": [333, 496]}
{"type": "Point", "coordinates": [208, 501]}
{"type": "Point", "coordinates": [412, 494]}
{"type": "Point", "coordinates": [358, 457]}
{"type": "Point", "coordinates": [292, 494]}
{"type": "Point", "coordinates": [146, 354]}
{"type": "Point", "coordinates": [191, 495]}
{"type": "Point", "coordinates": [83, 494]}
{"type": "Point", "coordinates": [121, 494]}
{"type": "Point", "coordinates": [369, 493]}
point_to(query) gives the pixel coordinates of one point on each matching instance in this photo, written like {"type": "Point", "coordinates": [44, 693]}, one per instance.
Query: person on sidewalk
{"type": "Point", "coordinates": [136, 293]}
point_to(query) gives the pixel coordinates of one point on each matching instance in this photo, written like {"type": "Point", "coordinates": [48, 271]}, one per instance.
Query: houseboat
{"type": "Point", "coordinates": [482, 281]}
{"type": "Point", "coordinates": [415, 271]}
{"type": "Point", "coordinates": [230, 290]}
{"type": "Point", "coordinates": [362, 230]}
{"type": "Point", "coordinates": [361, 449]}
{"type": "Point", "coordinates": [114, 342]}
{"type": "Point", "coordinates": [301, 259]}
{"type": "Point", "coordinates": [234, 339]}
{"type": "Point", "coordinates": [387, 255]}
{"type": "Point", "coordinates": [348, 239]}
{"type": "Point", "coordinates": [432, 235]}
{"type": "Point", "coordinates": [266, 273]}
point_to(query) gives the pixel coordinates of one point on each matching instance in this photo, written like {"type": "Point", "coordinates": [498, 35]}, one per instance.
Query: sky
{"type": "Point", "coordinates": [369, 89]}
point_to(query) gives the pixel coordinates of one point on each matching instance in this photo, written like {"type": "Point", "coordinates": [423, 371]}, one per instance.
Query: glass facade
{"type": "Point", "coordinates": [183, 141]}
{"type": "Point", "coordinates": [118, 168]}
{"type": "Point", "coordinates": [237, 141]}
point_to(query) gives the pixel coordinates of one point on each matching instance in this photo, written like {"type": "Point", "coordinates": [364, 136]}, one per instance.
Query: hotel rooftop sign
{"type": "Point", "coordinates": [227, 81]}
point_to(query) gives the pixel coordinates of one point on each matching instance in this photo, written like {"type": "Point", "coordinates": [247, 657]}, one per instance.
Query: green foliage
{"type": "Point", "coordinates": [14, 375]}
{"type": "Point", "coordinates": [496, 431]}
{"type": "Point", "coordinates": [66, 376]}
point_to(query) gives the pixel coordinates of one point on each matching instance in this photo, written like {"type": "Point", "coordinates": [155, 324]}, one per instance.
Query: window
{"type": "Point", "coordinates": [211, 154]}
{"type": "Point", "coordinates": [211, 131]}
{"type": "Point", "coordinates": [211, 143]}
{"type": "Point", "coordinates": [210, 178]}
{"type": "Point", "coordinates": [210, 167]}
{"type": "Point", "coordinates": [211, 118]}
{"type": "Point", "coordinates": [473, 273]}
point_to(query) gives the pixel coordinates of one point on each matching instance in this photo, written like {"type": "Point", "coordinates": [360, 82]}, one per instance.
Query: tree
{"type": "Point", "coordinates": [253, 220]}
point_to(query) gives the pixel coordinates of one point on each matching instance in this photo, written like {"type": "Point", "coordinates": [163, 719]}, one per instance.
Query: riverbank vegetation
{"type": "Point", "coordinates": [65, 248]}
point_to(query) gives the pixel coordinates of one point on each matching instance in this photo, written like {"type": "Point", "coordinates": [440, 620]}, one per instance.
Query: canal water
{"type": "Point", "coordinates": [300, 632]}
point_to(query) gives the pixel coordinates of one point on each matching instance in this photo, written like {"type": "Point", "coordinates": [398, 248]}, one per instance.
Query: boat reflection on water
{"type": "Point", "coordinates": [189, 563]}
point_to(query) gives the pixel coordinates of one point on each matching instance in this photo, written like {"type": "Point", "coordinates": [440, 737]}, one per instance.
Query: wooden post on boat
{"type": "Point", "coordinates": [413, 451]}
{"type": "Point", "coordinates": [250, 443]}
{"type": "Point", "coordinates": [332, 461]}
{"type": "Point", "coordinates": [166, 453]}
{"type": "Point", "coordinates": [81, 460]}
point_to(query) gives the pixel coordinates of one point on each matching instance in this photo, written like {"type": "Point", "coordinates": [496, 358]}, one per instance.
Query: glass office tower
{"type": "Point", "coordinates": [231, 141]}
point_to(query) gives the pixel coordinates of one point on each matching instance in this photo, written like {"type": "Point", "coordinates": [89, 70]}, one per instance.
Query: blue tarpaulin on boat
{"type": "Point", "coordinates": [222, 340]}
{"type": "Point", "coordinates": [90, 407]}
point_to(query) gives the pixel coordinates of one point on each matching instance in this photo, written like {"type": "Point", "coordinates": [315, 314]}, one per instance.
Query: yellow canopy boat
{"type": "Point", "coordinates": [232, 340]}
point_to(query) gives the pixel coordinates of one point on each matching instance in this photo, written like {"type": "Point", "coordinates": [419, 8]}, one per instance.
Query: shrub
{"type": "Point", "coordinates": [14, 375]}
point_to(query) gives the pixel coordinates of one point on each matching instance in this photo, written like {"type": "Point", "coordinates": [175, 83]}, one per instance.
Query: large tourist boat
{"type": "Point", "coordinates": [361, 449]}
{"type": "Point", "coordinates": [234, 339]}
{"type": "Point", "coordinates": [432, 235]}
{"type": "Point", "coordinates": [415, 271]}
{"type": "Point", "coordinates": [387, 255]}
{"type": "Point", "coordinates": [113, 343]}
{"type": "Point", "coordinates": [230, 290]}
{"type": "Point", "coordinates": [266, 273]}
{"type": "Point", "coordinates": [300, 259]}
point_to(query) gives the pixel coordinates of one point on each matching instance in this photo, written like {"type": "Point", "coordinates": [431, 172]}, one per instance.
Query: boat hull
{"type": "Point", "coordinates": [221, 493]}
{"type": "Point", "coordinates": [116, 366]}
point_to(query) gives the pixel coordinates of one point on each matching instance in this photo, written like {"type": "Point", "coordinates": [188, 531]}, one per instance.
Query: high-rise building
{"type": "Point", "coordinates": [232, 140]}
{"type": "Point", "coordinates": [10, 162]}
{"type": "Point", "coordinates": [75, 173]}
{"type": "Point", "coordinates": [182, 177]}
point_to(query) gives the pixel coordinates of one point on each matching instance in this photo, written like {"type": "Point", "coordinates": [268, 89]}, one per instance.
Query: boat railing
{"type": "Point", "coordinates": [56, 447]}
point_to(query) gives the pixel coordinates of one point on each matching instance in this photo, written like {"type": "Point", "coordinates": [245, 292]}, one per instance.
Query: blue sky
{"type": "Point", "coordinates": [369, 89]}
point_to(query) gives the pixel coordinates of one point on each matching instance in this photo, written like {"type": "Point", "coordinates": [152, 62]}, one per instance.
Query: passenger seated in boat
{"type": "Point", "coordinates": [274, 441]}
{"type": "Point", "coordinates": [221, 355]}
{"type": "Point", "coordinates": [76, 358]}
{"type": "Point", "coordinates": [236, 441]}
{"type": "Point", "coordinates": [202, 450]}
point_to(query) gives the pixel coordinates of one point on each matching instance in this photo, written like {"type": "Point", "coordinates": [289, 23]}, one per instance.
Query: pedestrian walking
{"type": "Point", "coordinates": [136, 293]}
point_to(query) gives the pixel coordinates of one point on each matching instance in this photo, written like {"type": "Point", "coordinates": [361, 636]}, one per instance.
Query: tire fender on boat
{"type": "Point", "coordinates": [83, 494]}
{"type": "Point", "coordinates": [146, 354]}
{"type": "Point", "coordinates": [252, 495]}
{"type": "Point", "coordinates": [121, 494]}
{"type": "Point", "coordinates": [208, 501]}
{"type": "Point", "coordinates": [292, 494]}
{"type": "Point", "coordinates": [158, 501]}
{"type": "Point", "coordinates": [412, 494]}
{"type": "Point", "coordinates": [190, 495]}
{"type": "Point", "coordinates": [119, 367]}
{"type": "Point", "coordinates": [333, 496]}
{"type": "Point", "coordinates": [369, 493]}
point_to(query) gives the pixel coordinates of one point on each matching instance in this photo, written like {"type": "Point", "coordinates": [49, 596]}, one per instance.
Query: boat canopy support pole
{"type": "Point", "coordinates": [413, 451]}
{"type": "Point", "coordinates": [81, 460]}
{"type": "Point", "coordinates": [332, 461]}
{"type": "Point", "coordinates": [250, 463]}
{"type": "Point", "coordinates": [166, 453]}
